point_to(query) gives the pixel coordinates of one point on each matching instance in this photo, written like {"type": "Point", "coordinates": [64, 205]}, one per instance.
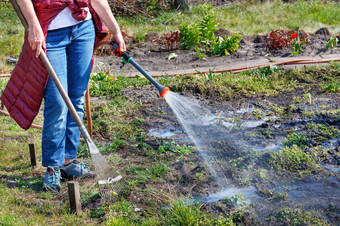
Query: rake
{"type": "Point", "coordinates": [99, 162]}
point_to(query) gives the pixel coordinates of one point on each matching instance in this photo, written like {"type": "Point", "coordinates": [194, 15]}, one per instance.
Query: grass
{"type": "Point", "coordinates": [246, 17]}
{"type": "Point", "coordinates": [226, 85]}
{"type": "Point", "coordinates": [11, 35]}
{"type": "Point", "coordinates": [118, 126]}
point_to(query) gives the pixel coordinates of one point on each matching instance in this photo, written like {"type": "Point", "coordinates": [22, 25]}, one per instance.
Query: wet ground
{"type": "Point", "coordinates": [251, 127]}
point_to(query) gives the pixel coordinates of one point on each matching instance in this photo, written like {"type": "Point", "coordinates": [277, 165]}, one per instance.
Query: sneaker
{"type": "Point", "coordinates": [77, 169]}
{"type": "Point", "coordinates": [52, 179]}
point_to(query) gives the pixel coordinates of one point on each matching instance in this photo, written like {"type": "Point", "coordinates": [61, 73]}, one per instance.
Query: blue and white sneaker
{"type": "Point", "coordinates": [52, 179]}
{"type": "Point", "coordinates": [77, 169]}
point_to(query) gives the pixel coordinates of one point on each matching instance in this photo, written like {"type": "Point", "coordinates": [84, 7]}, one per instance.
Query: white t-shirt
{"type": "Point", "coordinates": [65, 19]}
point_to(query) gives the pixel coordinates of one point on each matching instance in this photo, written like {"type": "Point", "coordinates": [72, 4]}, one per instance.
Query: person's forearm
{"type": "Point", "coordinates": [36, 37]}
{"type": "Point", "coordinates": [27, 10]}
{"type": "Point", "coordinates": [102, 8]}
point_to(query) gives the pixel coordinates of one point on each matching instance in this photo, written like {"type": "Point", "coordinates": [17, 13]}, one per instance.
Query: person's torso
{"type": "Point", "coordinates": [65, 19]}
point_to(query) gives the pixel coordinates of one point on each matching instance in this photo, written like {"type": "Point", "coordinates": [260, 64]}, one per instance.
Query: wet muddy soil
{"type": "Point", "coordinates": [252, 127]}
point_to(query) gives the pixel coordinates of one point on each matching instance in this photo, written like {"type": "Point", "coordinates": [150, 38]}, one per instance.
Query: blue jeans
{"type": "Point", "coordinates": [70, 52]}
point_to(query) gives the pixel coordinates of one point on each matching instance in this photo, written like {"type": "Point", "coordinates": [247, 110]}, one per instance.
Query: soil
{"type": "Point", "coordinates": [154, 57]}
{"type": "Point", "coordinates": [264, 195]}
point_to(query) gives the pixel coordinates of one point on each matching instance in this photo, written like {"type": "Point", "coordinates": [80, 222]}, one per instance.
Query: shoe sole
{"type": "Point", "coordinates": [83, 177]}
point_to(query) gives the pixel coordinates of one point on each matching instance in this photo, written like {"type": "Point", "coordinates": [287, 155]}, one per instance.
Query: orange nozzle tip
{"type": "Point", "coordinates": [164, 91]}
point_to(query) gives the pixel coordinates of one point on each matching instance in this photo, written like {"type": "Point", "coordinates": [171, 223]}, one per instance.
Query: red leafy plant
{"type": "Point", "coordinates": [170, 40]}
{"type": "Point", "coordinates": [284, 38]}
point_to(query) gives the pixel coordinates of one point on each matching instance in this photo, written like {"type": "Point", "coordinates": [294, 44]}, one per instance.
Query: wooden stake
{"type": "Point", "coordinates": [74, 196]}
{"type": "Point", "coordinates": [2, 105]}
{"type": "Point", "coordinates": [32, 154]}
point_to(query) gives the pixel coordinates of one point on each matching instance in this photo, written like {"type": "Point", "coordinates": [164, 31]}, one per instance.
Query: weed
{"type": "Point", "coordinates": [334, 65]}
{"type": "Point", "coordinates": [257, 113]}
{"type": "Point", "coordinates": [332, 42]}
{"type": "Point", "coordinates": [103, 84]}
{"type": "Point", "coordinates": [293, 159]}
{"type": "Point", "coordinates": [178, 149]}
{"type": "Point", "coordinates": [297, 139]}
{"type": "Point", "coordinates": [143, 175]}
{"type": "Point", "coordinates": [199, 176]}
{"type": "Point", "coordinates": [83, 151]}
{"type": "Point", "coordinates": [138, 121]}
{"type": "Point", "coordinates": [308, 97]}
{"type": "Point", "coordinates": [323, 131]}
{"type": "Point", "coordinates": [296, 99]}
{"type": "Point", "coordinates": [159, 169]}
{"type": "Point", "coordinates": [333, 87]}
{"type": "Point", "coordinates": [113, 145]}
{"type": "Point", "coordinates": [288, 216]}
{"type": "Point", "coordinates": [184, 212]}
{"type": "Point", "coordinates": [209, 76]}
{"type": "Point", "coordinates": [236, 200]}
{"type": "Point", "coordinates": [272, 194]}
{"type": "Point", "coordinates": [122, 213]}
{"type": "Point", "coordinates": [143, 146]}
{"type": "Point", "coordinates": [263, 72]}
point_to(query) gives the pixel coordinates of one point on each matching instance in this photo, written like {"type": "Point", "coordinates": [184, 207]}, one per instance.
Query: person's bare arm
{"type": "Point", "coordinates": [102, 8]}
{"type": "Point", "coordinates": [36, 37]}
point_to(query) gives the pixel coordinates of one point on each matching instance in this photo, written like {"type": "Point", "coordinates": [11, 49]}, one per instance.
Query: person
{"type": "Point", "coordinates": [66, 30]}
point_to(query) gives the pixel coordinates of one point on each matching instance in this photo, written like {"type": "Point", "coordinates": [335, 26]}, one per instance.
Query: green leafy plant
{"type": "Point", "coordinates": [308, 97]}
{"type": "Point", "coordinates": [297, 139]}
{"type": "Point", "coordinates": [332, 87]}
{"type": "Point", "coordinates": [236, 200]}
{"type": "Point", "coordinates": [209, 76]}
{"type": "Point", "coordinates": [264, 72]}
{"type": "Point", "coordinates": [178, 149]}
{"type": "Point", "coordinates": [196, 35]}
{"type": "Point", "coordinates": [332, 43]}
{"type": "Point", "coordinates": [293, 159]}
{"type": "Point", "coordinates": [207, 27]}
{"type": "Point", "coordinates": [189, 36]}
{"type": "Point", "coordinates": [297, 46]}
{"type": "Point", "coordinates": [228, 45]}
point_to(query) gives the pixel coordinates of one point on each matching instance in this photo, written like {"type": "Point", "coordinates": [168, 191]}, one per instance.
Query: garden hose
{"type": "Point", "coordinates": [128, 59]}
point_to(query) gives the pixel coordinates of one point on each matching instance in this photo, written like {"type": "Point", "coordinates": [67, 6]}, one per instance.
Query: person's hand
{"type": "Point", "coordinates": [118, 38]}
{"type": "Point", "coordinates": [36, 39]}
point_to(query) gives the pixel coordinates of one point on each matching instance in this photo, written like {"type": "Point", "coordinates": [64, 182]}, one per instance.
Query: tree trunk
{"type": "Point", "coordinates": [182, 5]}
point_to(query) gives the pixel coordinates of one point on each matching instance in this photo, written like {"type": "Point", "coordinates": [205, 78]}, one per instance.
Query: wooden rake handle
{"type": "Point", "coordinates": [50, 70]}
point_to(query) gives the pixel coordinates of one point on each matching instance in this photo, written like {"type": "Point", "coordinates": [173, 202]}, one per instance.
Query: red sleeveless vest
{"type": "Point", "coordinates": [25, 89]}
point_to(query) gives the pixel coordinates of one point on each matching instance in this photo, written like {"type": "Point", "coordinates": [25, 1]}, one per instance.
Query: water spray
{"type": "Point", "coordinates": [128, 59]}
